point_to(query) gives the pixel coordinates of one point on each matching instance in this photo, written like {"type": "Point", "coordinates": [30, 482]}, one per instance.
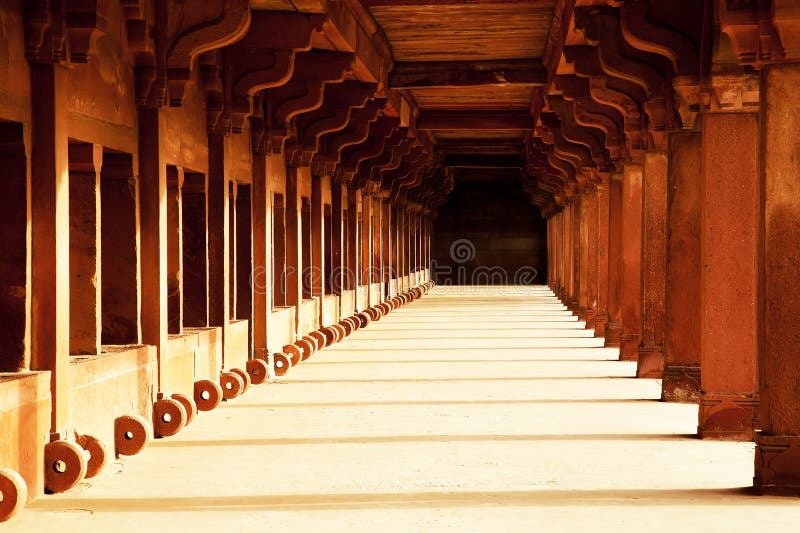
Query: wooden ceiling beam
{"type": "Point", "coordinates": [474, 121]}
{"type": "Point", "coordinates": [443, 74]}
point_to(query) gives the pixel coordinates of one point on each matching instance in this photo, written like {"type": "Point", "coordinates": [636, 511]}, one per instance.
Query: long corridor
{"type": "Point", "coordinates": [472, 409]}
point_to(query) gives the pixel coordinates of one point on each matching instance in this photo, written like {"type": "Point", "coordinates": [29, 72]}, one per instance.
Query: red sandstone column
{"type": "Point", "coordinates": [582, 253]}
{"type": "Point", "coordinates": [681, 380]}
{"type": "Point", "coordinates": [386, 242]}
{"type": "Point", "coordinates": [395, 230]}
{"type": "Point", "coordinates": [377, 247]}
{"type": "Point", "coordinates": [153, 216]}
{"type": "Point", "coordinates": [50, 234]}
{"type": "Point", "coordinates": [729, 289]}
{"type": "Point", "coordinates": [402, 244]}
{"type": "Point", "coordinates": [563, 258]}
{"type": "Point", "coordinates": [218, 234]}
{"type": "Point", "coordinates": [366, 244]}
{"type": "Point", "coordinates": [631, 247]}
{"type": "Point", "coordinates": [317, 243]}
{"type": "Point", "coordinates": [351, 272]}
{"type": "Point", "coordinates": [85, 279]}
{"type": "Point", "coordinates": [575, 250]}
{"type": "Point", "coordinates": [613, 332]}
{"type": "Point", "coordinates": [262, 256]}
{"type": "Point", "coordinates": [778, 442]}
{"type": "Point", "coordinates": [654, 264]}
{"type": "Point", "coordinates": [337, 229]}
{"type": "Point", "coordinates": [569, 263]}
{"type": "Point", "coordinates": [601, 232]}
{"type": "Point", "coordinates": [294, 288]}
{"type": "Point", "coordinates": [591, 260]}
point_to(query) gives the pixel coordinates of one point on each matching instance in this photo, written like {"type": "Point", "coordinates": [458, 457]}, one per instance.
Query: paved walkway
{"type": "Point", "coordinates": [468, 410]}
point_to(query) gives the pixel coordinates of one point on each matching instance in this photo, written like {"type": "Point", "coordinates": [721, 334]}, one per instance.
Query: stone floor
{"type": "Point", "coordinates": [469, 410]}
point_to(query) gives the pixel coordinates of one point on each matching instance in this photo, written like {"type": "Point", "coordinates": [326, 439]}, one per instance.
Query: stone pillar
{"type": "Point", "coordinates": [366, 243]}
{"type": "Point", "coordinates": [397, 247]}
{"type": "Point", "coordinates": [50, 234]}
{"type": "Point", "coordinates": [219, 311]}
{"type": "Point", "coordinates": [351, 272]}
{"type": "Point", "coordinates": [591, 259]}
{"type": "Point", "coordinates": [153, 232]}
{"type": "Point", "coordinates": [174, 250]}
{"type": "Point", "coordinates": [85, 277]}
{"type": "Point", "coordinates": [401, 243]}
{"type": "Point", "coordinates": [631, 247]}
{"type": "Point", "coordinates": [582, 253]}
{"type": "Point", "coordinates": [601, 235]}
{"type": "Point", "coordinates": [119, 198]}
{"type": "Point", "coordinates": [730, 205]}
{"type": "Point", "coordinates": [569, 264]}
{"type": "Point", "coordinates": [377, 246]}
{"type": "Point", "coordinates": [613, 332]}
{"type": "Point", "coordinates": [681, 380]}
{"type": "Point", "coordinates": [194, 233]}
{"type": "Point", "coordinates": [386, 246]}
{"type": "Point", "coordinates": [317, 242]}
{"type": "Point", "coordinates": [575, 251]}
{"type": "Point", "coordinates": [337, 227]}
{"type": "Point", "coordinates": [558, 258]}
{"type": "Point", "coordinates": [262, 254]}
{"type": "Point", "coordinates": [233, 245]}
{"type": "Point", "coordinates": [653, 264]}
{"type": "Point", "coordinates": [778, 442]}
{"type": "Point", "coordinates": [15, 261]}
{"type": "Point", "coordinates": [294, 288]}
{"type": "Point", "coordinates": [566, 247]}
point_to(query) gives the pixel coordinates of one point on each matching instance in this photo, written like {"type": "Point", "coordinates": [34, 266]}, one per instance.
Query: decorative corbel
{"type": "Point", "coordinates": [265, 57]}
{"type": "Point", "coordinates": [303, 92]}
{"type": "Point", "coordinates": [216, 25]}
{"type": "Point", "coordinates": [334, 114]}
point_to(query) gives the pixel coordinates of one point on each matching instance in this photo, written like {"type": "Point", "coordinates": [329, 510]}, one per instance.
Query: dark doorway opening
{"type": "Point", "coordinates": [489, 234]}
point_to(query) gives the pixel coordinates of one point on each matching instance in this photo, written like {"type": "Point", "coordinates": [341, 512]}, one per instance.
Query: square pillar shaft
{"type": "Point", "coordinates": [729, 284]}
{"type": "Point", "coordinates": [613, 332]}
{"type": "Point", "coordinates": [654, 264]}
{"type": "Point", "coordinates": [778, 442]}
{"type": "Point", "coordinates": [631, 247]}
{"type": "Point", "coordinates": [262, 254]}
{"type": "Point", "coordinates": [50, 293]}
{"type": "Point", "coordinates": [681, 380]}
{"type": "Point", "coordinates": [601, 237]}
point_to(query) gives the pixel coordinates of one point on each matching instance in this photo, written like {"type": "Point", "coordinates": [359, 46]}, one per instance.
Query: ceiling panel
{"type": "Point", "coordinates": [510, 97]}
{"type": "Point", "coordinates": [466, 31]}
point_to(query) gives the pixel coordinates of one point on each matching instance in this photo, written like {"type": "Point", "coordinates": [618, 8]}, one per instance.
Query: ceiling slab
{"type": "Point", "coordinates": [452, 31]}
{"type": "Point", "coordinates": [464, 121]}
{"type": "Point", "coordinates": [444, 74]}
{"type": "Point", "coordinates": [474, 98]}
